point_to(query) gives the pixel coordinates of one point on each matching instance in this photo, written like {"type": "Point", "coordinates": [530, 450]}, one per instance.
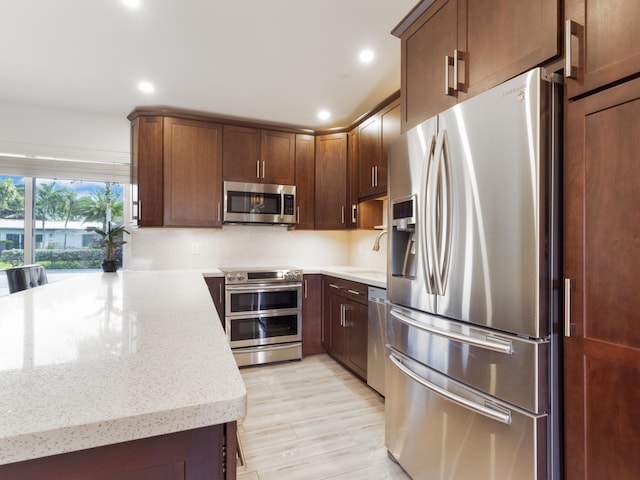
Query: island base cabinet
{"type": "Point", "coordinates": [196, 454]}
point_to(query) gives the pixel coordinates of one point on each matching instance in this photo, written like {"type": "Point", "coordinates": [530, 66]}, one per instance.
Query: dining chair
{"type": "Point", "coordinates": [25, 276]}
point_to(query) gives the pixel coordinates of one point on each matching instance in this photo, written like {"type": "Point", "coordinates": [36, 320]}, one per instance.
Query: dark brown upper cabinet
{"type": "Point", "coordinates": [454, 49]}
{"type": "Point", "coordinates": [259, 155]}
{"type": "Point", "coordinates": [305, 181]}
{"type": "Point", "coordinates": [331, 182]}
{"type": "Point", "coordinates": [192, 173]}
{"type": "Point", "coordinates": [603, 38]}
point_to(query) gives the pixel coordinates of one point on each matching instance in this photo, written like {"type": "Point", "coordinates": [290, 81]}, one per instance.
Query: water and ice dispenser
{"type": "Point", "coordinates": [403, 237]}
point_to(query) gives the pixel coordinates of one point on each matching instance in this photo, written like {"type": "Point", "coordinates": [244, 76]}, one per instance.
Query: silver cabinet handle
{"type": "Point", "coordinates": [305, 289]}
{"type": "Point", "coordinates": [298, 214]}
{"type": "Point", "coordinates": [490, 342]}
{"type": "Point", "coordinates": [567, 307]}
{"type": "Point", "coordinates": [343, 214]}
{"type": "Point", "coordinates": [448, 62]}
{"type": "Point", "coordinates": [220, 293]}
{"type": "Point", "coordinates": [333, 285]}
{"type": "Point", "coordinates": [342, 314]}
{"type": "Point", "coordinates": [571, 29]}
{"type": "Point", "coordinates": [372, 178]}
{"type": "Point", "coordinates": [219, 212]}
{"type": "Point", "coordinates": [489, 410]}
{"type": "Point", "coordinates": [354, 208]}
{"type": "Point", "coordinates": [355, 292]}
{"type": "Point", "coordinates": [257, 168]}
{"type": "Point", "coordinates": [264, 168]}
{"type": "Point", "coordinates": [375, 169]}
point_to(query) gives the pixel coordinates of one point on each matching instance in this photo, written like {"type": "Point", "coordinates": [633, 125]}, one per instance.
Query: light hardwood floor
{"type": "Point", "coordinates": [313, 420]}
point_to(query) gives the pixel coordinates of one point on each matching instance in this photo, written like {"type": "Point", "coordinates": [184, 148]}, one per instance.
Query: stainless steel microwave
{"type": "Point", "coordinates": [259, 203]}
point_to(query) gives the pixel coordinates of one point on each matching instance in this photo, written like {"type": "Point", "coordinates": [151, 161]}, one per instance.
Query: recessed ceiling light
{"type": "Point", "coordinates": [131, 3]}
{"type": "Point", "coordinates": [146, 87]}
{"type": "Point", "coordinates": [324, 115]}
{"type": "Point", "coordinates": [366, 56]}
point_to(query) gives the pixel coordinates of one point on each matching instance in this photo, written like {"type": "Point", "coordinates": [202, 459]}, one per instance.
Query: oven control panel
{"type": "Point", "coordinates": [262, 276]}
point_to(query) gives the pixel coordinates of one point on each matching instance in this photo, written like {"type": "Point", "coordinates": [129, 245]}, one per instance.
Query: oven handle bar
{"type": "Point", "coordinates": [261, 287]}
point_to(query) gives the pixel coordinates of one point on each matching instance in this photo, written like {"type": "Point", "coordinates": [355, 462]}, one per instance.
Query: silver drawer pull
{"type": "Point", "coordinates": [489, 343]}
{"type": "Point", "coordinates": [489, 410]}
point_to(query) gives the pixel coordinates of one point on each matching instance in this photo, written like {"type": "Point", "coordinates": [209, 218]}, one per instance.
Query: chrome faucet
{"type": "Point", "coordinates": [376, 244]}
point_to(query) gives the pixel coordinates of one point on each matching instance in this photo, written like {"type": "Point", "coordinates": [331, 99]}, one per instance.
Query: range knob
{"type": "Point", "coordinates": [230, 277]}
{"type": "Point", "coordinates": [240, 277]}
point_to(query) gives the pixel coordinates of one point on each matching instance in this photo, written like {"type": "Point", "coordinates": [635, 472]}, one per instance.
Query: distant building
{"type": "Point", "coordinates": [54, 235]}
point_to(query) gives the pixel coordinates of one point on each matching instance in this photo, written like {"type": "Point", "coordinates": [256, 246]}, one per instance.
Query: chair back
{"type": "Point", "coordinates": [25, 276]}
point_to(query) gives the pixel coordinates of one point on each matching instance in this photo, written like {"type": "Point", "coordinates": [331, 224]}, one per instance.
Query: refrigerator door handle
{"type": "Point", "coordinates": [488, 409]}
{"type": "Point", "coordinates": [489, 342]}
{"type": "Point", "coordinates": [424, 227]}
{"type": "Point", "coordinates": [444, 207]}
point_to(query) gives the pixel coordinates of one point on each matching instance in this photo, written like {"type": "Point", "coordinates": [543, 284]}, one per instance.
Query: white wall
{"type": "Point", "coordinates": [52, 132]}
{"type": "Point", "coordinates": [238, 245]}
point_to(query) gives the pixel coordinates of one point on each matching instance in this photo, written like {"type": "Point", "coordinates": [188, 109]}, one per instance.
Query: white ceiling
{"type": "Point", "coordinates": [267, 60]}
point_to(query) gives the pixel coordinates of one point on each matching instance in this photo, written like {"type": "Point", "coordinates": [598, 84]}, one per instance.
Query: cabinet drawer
{"type": "Point", "coordinates": [346, 288]}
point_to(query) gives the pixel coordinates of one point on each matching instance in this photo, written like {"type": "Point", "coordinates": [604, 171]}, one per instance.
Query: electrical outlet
{"type": "Point", "coordinates": [195, 248]}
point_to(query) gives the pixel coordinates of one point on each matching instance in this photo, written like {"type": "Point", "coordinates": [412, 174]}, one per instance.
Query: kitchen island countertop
{"type": "Point", "coordinates": [101, 358]}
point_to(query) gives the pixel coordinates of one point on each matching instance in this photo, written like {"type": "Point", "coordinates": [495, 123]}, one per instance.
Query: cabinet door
{"type": "Point", "coordinates": [241, 154]}
{"type": "Point", "coordinates": [601, 260]}
{"type": "Point", "coordinates": [353, 209]}
{"type": "Point", "coordinates": [312, 331]}
{"type": "Point", "coordinates": [334, 316]}
{"type": "Point", "coordinates": [424, 46]}
{"type": "Point", "coordinates": [277, 157]}
{"type": "Point", "coordinates": [357, 315]}
{"type": "Point", "coordinates": [604, 42]}
{"type": "Point", "coordinates": [192, 173]}
{"type": "Point", "coordinates": [216, 290]}
{"type": "Point", "coordinates": [305, 181]}
{"type": "Point", "coordinates": [147, 171]}
{"type": "Point", "coordinates": [369, 152]}
{"type": "Point", "coordinates": [331, 181]}
{"type": "Point", "coordinates": [503, 39]}
{"type": "Point", "coordinates": [389, 131]}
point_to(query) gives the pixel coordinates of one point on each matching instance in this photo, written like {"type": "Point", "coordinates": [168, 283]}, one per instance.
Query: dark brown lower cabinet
{"type": "Point", "coordinates": [216, 290]}
{"type": "Point", "coordinates": [312, 315]}
{"type": "Point", "coordinates": [196, 454]}
{"type": "Point", "coordinates": [602, 285]}
{"type": "Point", "coordinates": [346, 323]}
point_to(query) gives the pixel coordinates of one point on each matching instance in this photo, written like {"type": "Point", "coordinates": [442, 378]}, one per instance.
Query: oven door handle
{"type": "Point", "coordinates": [263, 288]}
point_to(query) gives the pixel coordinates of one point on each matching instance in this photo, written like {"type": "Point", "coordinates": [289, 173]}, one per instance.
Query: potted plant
{"type": "Point", "coordinates": [109, 240]}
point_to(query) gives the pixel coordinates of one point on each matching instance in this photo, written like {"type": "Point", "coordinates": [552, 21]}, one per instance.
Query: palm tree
{"type": "Point", "coordinates": [102, 206]}
{"type": "Point", "coordinates": [45, 207]}
{"type": "Point", "coordinates": [69, 206]}
{"type": "Point", "coordinates": [11, 199]}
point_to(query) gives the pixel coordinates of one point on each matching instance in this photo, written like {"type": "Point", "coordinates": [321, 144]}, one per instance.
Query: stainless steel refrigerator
{"type": "Point", "coordinates": [472, 389]}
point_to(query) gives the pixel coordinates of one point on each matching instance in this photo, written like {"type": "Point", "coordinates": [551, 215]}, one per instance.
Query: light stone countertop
{"type": "Point", "coordinates": [106, 358]}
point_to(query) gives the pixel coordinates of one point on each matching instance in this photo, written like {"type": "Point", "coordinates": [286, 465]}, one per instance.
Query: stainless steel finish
{"type": "Point", "coordinates": [342, 213]}
{"type": "Point", "coordinates": [473, 277]}
{"type": "Point", "coordinates": [434, 437]}
{"type": "Point", "coordinates": [220, 297]}
{"type": "Point", "coordinates": [343, 315]}
{"type": "Point", "coordinates": [354, 292]}
{"type": "Point", "coordinates": [306, 290]}
{"type": "Point", "coordinates": [486, 341]}
{"type": "Point", "coordinates": [256, 348]}
{"type": "Point", "coordinates": [354, 209]}
{"type": "Point", "coordinates": [373, 178]}
{"type": "Point", "coordinates": [489, 409]}
{"type": "Point", "coordinates": [219, 212]}
{"type": "Point", "coordinates": [333, 285]}
{"type": "Point", "coordinates": [570, 30]}
{"type": "Point", "coordinates": [272, 353]}
{"type": "Point", "coordinates": [377, 338]}
{"type": "Point", "coordinates": [298, 214]}
{"type": "Point", "coordinates": [567, 307]}
{"type": "Point", "coordinates": [409, 280]}
{"type": "Point", "coordinates": [376, 243]}
{"type": "Point", "coordinates": [264, 168]}
{"type": "Point", "coordinates": [257, 168]}
{"type": "Point", "coordinates": [256, 216]}
{"type": "Point", "coordinates": [509, 367]}
{"type": "Point", "coordinates": [266, 275]}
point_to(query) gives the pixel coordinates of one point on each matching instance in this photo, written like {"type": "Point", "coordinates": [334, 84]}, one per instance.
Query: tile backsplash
{"type": "Point", "coordinates": [241, 245]}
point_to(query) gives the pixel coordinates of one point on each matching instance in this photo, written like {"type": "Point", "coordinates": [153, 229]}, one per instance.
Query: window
{"type": "Point", "coordinates": [44, 221]}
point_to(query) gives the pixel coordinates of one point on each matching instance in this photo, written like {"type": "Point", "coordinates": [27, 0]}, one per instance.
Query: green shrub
{"type": "Point", "coordinates": [58, 258]}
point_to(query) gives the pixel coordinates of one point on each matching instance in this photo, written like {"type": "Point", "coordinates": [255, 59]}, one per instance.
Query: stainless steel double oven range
{"type": "Point", "coordinates": [263, 314]}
